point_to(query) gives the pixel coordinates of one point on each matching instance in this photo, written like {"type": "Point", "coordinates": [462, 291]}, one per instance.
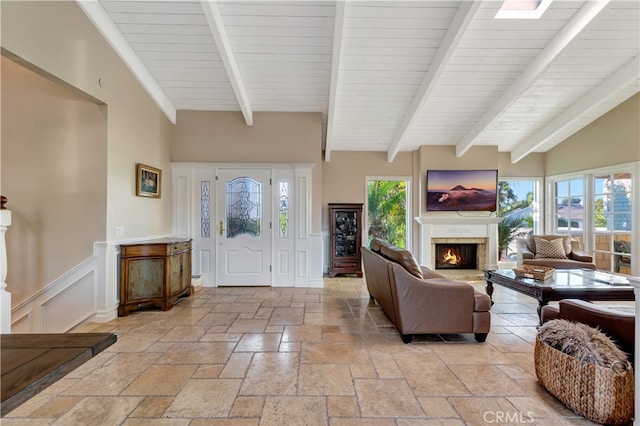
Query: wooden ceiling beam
{"type": "Point", "coordinates": [459, 24]}
{"type": "Point", "coordinates": [101, 20]}
{"type": "Point", "coordinates": [566, 35]}
{"type": "Point", "coordinates": [338, 28]}
{"type": "Point", "coordinates": [624, 76]}
{"type": "Point", "coordinates": [219, 33]}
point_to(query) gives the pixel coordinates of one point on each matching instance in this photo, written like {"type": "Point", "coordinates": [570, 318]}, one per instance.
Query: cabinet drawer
{"type": "Point", "coordinates": [178, 247]}
{"type": "Point", "coordinates": [346, 265]}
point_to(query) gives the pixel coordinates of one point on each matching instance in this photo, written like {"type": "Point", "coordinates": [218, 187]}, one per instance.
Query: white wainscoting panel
{"type": "Point", "coordinates": [61, 305]}
{"type": "Point", "coordinates": [63, 312]}
{"type": "Point", "coordinates": [317, 261]}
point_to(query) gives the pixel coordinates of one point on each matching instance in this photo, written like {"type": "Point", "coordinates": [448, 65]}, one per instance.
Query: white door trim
{"type": "Point", "coordinates": [296, 259]}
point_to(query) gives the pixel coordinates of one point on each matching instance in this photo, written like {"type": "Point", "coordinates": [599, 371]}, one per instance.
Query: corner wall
{"type": "Point", "coordinates": [57, 39]}
{"type": "Point", "coordinates": [344, 178]}
{"type": "Point", "coordinates": [612, 139]}
{"type": "Point", "coordinates": [54, 167]}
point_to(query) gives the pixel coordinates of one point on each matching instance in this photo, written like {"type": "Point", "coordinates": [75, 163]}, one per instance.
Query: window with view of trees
{"type": "Point", "coordinates": [387, 207]}
{"type": "Point", "coordinates": [569, 206]}
{"type": "Point", "coordinates": [520, 212]}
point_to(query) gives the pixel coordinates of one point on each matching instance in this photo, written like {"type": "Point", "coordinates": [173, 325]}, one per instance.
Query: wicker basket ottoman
{"type": "Point", "coordinates": [600, 394]}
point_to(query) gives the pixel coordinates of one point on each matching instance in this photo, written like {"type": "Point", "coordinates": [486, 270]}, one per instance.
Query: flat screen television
{"type": "Point", "coordinates": [462, 190]}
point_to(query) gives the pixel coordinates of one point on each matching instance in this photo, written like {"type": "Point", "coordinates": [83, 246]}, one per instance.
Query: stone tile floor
{"type": "Point", "coordinates": [291, 356]}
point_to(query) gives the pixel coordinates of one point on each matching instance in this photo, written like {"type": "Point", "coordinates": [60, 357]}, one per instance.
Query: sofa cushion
{"type": "Point", "coordinates": [402, 257]}
{"type": "Point", "coordinates": [376, 244]}
{"type": "Point", "coordinates": [560, 263]}
{"type": "Point", "coordinates": [550, 249]}
{"type": "Point", "coordinates": [566, 242]}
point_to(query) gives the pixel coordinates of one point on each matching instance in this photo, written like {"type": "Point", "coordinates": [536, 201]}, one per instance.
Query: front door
{"type": "Point", "coordinates": [243, 200]}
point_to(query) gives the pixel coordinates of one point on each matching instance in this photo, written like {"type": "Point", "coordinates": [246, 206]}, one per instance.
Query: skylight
{"type": "Point", "coordinates": [522, 9]}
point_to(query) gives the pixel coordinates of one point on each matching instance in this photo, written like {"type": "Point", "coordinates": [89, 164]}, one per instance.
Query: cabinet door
{"type": "Point", "coordinates": [146, 278]}
{"type": "Point", "coordinates": [186, 271]}
{"type": "Point", "coordinates": [346, 234]}
{"type": "Point", "coordinates": [177, 266]}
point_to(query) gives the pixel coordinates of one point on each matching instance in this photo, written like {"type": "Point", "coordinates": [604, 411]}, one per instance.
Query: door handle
{"type": "Point", "coordinates": [220, 228]}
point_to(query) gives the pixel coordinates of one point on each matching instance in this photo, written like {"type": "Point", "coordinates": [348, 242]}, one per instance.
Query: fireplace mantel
{"type": "Point", "coordinates": [459, 227]}
{"type": "Point", "coordinates": [470, 220]}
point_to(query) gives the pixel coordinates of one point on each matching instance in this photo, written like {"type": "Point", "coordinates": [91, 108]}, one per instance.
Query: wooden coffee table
{"type": "Point", "coordinates": [585, 284]}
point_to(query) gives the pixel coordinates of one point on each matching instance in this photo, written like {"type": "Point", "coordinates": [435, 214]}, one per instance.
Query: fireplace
{"type": "Point", "coordinates": [470, 251]}
{"type": "Point", "coordinates": [456, 256]}
{"type": "Point", "coordinates": [481, 231]}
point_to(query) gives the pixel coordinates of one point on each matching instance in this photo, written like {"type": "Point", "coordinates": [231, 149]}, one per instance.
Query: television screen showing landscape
{"type": "Point", "coordinates": [462, 190]}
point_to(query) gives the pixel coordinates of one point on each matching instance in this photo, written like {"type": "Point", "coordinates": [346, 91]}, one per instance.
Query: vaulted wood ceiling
{"type": "Point", "coordinates": [386, 75]}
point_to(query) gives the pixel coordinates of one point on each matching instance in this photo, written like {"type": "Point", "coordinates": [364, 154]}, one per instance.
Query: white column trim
{"type": "Point", "coordinates": [5, 296]}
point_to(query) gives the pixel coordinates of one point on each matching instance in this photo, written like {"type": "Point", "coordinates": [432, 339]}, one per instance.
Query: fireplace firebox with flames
{"type": "Point", "coordinates": [456, 256]}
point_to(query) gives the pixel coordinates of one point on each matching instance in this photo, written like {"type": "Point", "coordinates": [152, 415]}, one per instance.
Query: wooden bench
{"type": "Point", "coordinates": [32, 362]}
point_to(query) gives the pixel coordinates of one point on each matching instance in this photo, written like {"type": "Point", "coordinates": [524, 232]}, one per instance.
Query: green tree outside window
{"type": "Point", "coordinates": [387, 211]}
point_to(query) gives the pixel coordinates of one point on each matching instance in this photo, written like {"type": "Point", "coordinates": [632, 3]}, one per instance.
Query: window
{"type": "Point", "coordinates": [283, 210]}
{"type": "Point", "coordinates": [597, 208]}
{"type": "Point", "coordinates": [612, 221]}
{"type": "Point", "coordinates": [244, 207]}
{"type": "Point", "coordinates": [519, 206]}
{"type": "Point", "coordinates": [522, 9]}
{"type": "Point", "coordinates": [569, 206]}
{"type": "Point", "coordinates": [387, 211]}
{"type": "Point", "coordinates": [205, 209]}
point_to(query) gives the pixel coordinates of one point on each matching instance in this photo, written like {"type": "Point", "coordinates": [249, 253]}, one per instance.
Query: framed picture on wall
{"type": "Point", "coordinates": [148, 181]}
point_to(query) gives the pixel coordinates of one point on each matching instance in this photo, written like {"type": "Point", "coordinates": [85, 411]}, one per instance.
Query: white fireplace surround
{"type": "Point", "coordinates": [459, 228]}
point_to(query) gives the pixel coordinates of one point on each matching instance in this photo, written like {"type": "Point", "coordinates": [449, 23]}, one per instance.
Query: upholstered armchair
{"type": "Point", "coordinates": [556, 251]}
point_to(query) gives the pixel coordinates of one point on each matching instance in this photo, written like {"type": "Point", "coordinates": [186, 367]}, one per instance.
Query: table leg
{"type": "Point", "coordinates": [540, 305]}
{"type": "Point", "coordinates": [489, 290]}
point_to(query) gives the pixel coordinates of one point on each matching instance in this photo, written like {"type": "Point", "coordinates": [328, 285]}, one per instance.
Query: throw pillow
{"type": "Point", "coordinates": [552, 249]}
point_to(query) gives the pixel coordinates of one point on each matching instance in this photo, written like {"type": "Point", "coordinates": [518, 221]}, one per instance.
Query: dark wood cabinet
{"type": "Point", "coordinates": [345, 227]}
{"type": "Point", "coordinates": [154, 272]}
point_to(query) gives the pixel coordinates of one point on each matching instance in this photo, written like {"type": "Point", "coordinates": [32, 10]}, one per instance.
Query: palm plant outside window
{"type": "Point", "coordinates": [518, 208]}
{"type": "Point", "coordinates": [387, 211]}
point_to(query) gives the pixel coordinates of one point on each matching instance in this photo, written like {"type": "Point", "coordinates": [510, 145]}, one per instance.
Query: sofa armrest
{"type": "Point", "coordinates": [580, 256]}
{"type": "Point", "coordinates": [548, 313]}
{"type": "Point", "coordinates": [618, 324]}
{"type": "Point", "coordinates": [430, 273]}
{"type": "Point", "coordinates": [435, 305]}
{"type": "Point", "coordinates": [482, 302]}
{"type": "Point", "coordinates": [523, 249]}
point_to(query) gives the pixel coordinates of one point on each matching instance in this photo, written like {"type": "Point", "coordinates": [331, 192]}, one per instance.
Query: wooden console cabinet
{"type": "Point", "coordinates": [154, 272]}
{"type": "Point", "coordinates": [345, 223]}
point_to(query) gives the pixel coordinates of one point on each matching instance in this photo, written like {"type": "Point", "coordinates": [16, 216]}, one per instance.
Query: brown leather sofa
{"type": "Point", "coordinates": [420, 301]}
{"type": "Point", "coordinates": [575, 257]}
{"type": "Point", "coordinates": [618, 322]}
